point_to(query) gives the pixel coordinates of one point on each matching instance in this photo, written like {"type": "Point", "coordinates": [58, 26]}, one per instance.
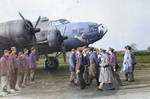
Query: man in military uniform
{"type": "Point", "coordinates": [134, 62]}
{"type": "Point", "coordinates": [14, 65]}
{"type": "Point", "coordinates": [128, 64]}
{"type": "Point", "coordinates": [94, 67]}
{"type": "Point", "coordinates": [80, 70]}
{"type": "Point", "coordinates": [86, 65]}
{"type": "Point", "coordinates": [26, 65]}
{"type": "Point", "coordinates": [114, 64]}
{"type": "Point", "coordinates": [33, 65]}
{"type": "Point", "coordinates": [20, 71]}
{"type": "Point", "coordinates": [72, 66]}
{"type": "Point", "coordinates": [5, 73]}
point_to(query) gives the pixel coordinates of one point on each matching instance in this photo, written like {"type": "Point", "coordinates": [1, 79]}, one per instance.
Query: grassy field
{"type": "Point", "coordinates": [143, 62]}
{"type": "Point", "coordinates": [140, 59]}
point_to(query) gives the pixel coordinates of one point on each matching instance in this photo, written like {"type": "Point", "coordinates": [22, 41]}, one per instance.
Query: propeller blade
{"type": "Point", "coordinates": [64, 52]}
{"type": "Point", "coordinates": [64, 31]}
{"type": "Point", "coordinates": [25, 20]}
{"type": "Point", "coordinates": [37, 22]}
{"type": "Point", "coordinates": [34, 41]}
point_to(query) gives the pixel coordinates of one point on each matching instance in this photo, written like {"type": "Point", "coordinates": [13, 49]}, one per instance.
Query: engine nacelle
{"type": "Point", "coordinates": [54, 40]}
{"type": "Point", "coordinates": [14, 33]}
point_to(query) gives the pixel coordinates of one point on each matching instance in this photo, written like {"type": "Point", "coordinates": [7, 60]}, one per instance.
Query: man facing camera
{"type": "Point", "coordinates": [14, 65]}
{"type": "Point", "coordinates": [5, 73]}
{"type": "Point", "coordinates": [33, 65]}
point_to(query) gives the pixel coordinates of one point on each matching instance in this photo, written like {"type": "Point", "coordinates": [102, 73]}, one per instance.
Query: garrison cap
{"type": "Point", "coordinates": [91, 49]}
{"type": "Point", "coordinates": [129, 47]}
{"type": "Point", "coordinates": [6, 51]}
{"type": "Point", "coordinates": [111, 49]}
{"type": "Point", "coordinates": [102, 50]}
{"type": "Point", "coordinates": [32, 48]}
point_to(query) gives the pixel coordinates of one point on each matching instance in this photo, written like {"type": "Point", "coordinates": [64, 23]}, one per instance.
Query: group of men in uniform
{"type": "Point", "coordinates": [15, 70]}
{"type": "Point", "coordinates": [87, 64]}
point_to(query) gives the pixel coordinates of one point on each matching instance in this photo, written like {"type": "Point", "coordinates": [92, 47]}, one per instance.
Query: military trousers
{"type": "Point", "coordinates": [86, 74]}
{"type": "Point", "coordinates": [26, 75]}
{"type": "Point", "coordinates": [82, 83]}
{"type": "Point", "coordinates": [72, 76]}
{"type": "Point", "coordinates": [32, 72]}
{"type": "Point", "coordinates": [5, 83]}
{"type": "Point", "coordinates": [13, 79]}
{"type": "Point", "coordinates": [129, 76]}
{"type": "Point", "coordinates": [93, 73]}
{"type": "Point", "coordinates": [111, 85]}
{"type": "Point", "coordinates": [20, 80]}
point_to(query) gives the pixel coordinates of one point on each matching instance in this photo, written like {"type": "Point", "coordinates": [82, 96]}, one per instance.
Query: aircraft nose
{"type": "Point", "coordinates": [102, 31]}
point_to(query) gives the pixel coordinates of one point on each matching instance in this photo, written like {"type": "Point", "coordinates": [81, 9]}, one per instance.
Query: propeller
{"type": "Point", "coordinates": [32, 31]}
{"type": "Point", "coordinates": [61, 41]}
{"type": "Point", "coordinates": [63, 45]}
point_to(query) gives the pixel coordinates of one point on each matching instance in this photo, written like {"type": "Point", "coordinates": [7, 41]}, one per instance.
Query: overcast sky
{"type": "Point", "coordinates": [128, 21]}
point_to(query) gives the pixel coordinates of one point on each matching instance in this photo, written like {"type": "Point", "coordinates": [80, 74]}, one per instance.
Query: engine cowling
{"type": "Point", "coordinates": [54, 40]}
{"type": "Point", "coordinates": [15, 33]}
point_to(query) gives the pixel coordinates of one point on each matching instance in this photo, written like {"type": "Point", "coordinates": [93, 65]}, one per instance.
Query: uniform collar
{"type": "Point", "coordinates": [20, 58]}
{"type": "Point", "coordinates": [6, 57]}
{"type": "Point", "coordinates": [33, 53]}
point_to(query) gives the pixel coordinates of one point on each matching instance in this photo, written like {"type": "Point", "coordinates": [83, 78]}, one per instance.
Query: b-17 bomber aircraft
{"type": "Point", "coordinates": [49, 36]}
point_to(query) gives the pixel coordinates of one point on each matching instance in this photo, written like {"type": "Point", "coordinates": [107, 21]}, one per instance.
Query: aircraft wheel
{"type": "Point", "coordinates": [53, 65]}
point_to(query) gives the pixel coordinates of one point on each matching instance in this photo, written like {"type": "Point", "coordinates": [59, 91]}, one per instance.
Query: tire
{"type": "Point", "coordinates": [53, 65]}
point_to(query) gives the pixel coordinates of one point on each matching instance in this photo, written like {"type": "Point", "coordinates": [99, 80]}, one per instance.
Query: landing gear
{"type": "Point", "coordinates": [52, 63]}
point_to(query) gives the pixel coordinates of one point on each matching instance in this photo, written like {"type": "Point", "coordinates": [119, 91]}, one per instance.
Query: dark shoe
{"type": "Point", "coordinates": [88, 85]}
{"type": "Point", "coordinates": [82, 87]}
{"type": "Point", "coordinates": [100, 89]}
{"type": "Point", "coordinates": [131, 81]}
{"type": "Point", "coordinates": [120, 84]}
{"type": "Point", "coordinates": [76, 84]}
{"type": "Point", "coordinates": [71, 83]}
{"type": "Point", "coordinates": [126, 80]}
{"type": "Point", "coordinates": [112, 89]}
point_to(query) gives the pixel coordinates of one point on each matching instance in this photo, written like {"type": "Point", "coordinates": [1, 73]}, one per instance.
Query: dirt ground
{"type": "Point", "coordinates": [55, 85]}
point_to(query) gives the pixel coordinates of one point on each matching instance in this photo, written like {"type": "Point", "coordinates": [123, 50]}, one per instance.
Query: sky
{"type": "Point", "coordinates": [128, 21]}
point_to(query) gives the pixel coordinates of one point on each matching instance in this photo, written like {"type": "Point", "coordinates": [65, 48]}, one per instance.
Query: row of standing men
{"type": "Point", "coordinates": [88, 64]}
{"type": "Point", "coordinates": [15, 71]}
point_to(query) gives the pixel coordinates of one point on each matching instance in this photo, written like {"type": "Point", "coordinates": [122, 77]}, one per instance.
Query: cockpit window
{"type": "Point", "coordinates": [91, 28]}
{"type": "Point", "coordinates": [64, 21]}
{"type": "Point", "coordinates": [56, 23]}
{"type": "Point", "coordinates": [60, 22]}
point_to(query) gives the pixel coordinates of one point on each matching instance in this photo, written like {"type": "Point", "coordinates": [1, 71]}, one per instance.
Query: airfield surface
{"type": "Point", "coordinates": [55, 85]}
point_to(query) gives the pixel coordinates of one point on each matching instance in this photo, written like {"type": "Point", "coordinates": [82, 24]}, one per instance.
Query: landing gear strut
{"type": "Point", "coordinates": [51, 63]}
